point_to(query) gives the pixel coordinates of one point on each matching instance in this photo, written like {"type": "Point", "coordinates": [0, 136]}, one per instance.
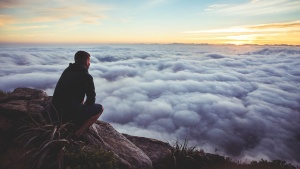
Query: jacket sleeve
{"type": "Point", "coordinates": [90, 91]}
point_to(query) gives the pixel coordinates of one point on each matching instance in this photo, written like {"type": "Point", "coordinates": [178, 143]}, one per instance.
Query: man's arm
{"type": "Point", "coordinates": [90, 91]}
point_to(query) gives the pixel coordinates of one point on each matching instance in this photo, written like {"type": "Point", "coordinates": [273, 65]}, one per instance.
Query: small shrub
{"type": "Point", "coordinates": [90, 158]}
{"type": "Point", "coordinates": [166, 163]}
{"type": "Point", "coordinates": [3, 93]}
{"type": "Point", "coordinates": [187, 157]}
{"type": "Point", "coordinates": [44, 144]}
{"type": "Point", "coordinates": [275, 164]}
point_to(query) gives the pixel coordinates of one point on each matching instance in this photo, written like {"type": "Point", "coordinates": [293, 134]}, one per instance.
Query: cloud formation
{"type": "Point", "coordinates": [242, 100]}
{"type": "Point", "coordinates": [34, 12]}
{"type": "Point", "coordinates": [256, 7]}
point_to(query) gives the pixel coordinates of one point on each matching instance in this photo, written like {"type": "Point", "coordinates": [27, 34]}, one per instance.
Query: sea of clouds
{"type": "Point", "coordinates": [238, 101]}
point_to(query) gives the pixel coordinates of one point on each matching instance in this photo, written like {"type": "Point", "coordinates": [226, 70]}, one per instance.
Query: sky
{"type": "Point", "coordinates": [156, 21]}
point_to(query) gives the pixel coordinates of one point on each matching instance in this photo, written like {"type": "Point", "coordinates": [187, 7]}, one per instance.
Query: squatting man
{"type": "Point", "coordinates": [68, 99]}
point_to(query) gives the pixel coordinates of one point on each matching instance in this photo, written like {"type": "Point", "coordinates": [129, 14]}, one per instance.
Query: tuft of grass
{"type": "Point", "coordinates": [275, 164]}
{"type": "Point", "coordinates": [189, 157]}
{"type": "Point", "coordinates": [45, 144]}
{"type": "Point", "coordinates": [3, 93]}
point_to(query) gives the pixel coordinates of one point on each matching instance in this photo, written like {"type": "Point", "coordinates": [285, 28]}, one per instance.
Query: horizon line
{"type": "Point", "coordinates": [173, 43]}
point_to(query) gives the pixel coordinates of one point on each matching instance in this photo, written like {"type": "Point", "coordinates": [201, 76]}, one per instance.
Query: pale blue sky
{"type": "Point", "coordinates": [145, 21]}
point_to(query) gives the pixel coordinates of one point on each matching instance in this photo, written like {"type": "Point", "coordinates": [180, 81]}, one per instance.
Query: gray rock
{"type": "Point", "coordinates": [156, 150]}
{"type": "Point", "coordinates": [25, 94]}
{"type": "Point", "coordinates": [103, 134]}
{"type": "Point", "coordinates": [22, 102]}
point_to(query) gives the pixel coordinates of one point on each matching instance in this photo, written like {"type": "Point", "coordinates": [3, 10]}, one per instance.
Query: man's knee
{"type": "Point", "coordinates": [97, 110]}
{"type": "Point", "coordinates": [101, 110]}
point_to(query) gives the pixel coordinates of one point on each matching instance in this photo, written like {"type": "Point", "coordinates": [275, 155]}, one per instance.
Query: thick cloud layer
{"type": "Point", "coordinates": [243, 101]}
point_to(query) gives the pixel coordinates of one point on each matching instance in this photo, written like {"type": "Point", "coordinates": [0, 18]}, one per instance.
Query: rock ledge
{"type": "Point", "coordinates": [132, 152]}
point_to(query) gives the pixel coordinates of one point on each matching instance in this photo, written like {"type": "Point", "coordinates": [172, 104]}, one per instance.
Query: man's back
{"type": "Point", "coordinates": [73, 85]}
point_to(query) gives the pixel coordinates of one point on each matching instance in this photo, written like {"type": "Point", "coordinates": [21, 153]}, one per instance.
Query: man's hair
{"type": "Point", "coordinates": [81, 56]}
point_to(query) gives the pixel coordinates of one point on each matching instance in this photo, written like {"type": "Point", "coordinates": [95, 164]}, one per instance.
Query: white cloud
{"type": "Point", "coordinates": [6, 19]}
{"type": "Point", "coordinates": [155, 3]}
{"type": "Point", "coordinates": [256, 7]}
{"type": "Point", "coordinates": [27, 27]}
{"type": "Point", "coordinates": [30, 12]}
{"type": "Point", "coordinates": [215, 7]}
{"type": "Point", "coordinates": [243, 101]}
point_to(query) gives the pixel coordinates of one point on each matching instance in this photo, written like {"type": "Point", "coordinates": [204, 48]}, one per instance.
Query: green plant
{"type": "Point", "coordinates": [3, 93]}
{"type": "Point", "coordinates": [45, 143]}
{"type": "Point", "coordinates": [90, 158]}
{"type": "Point", "coordinates": [189, 157]}
{"type": "Point", "coordinates": [275, 164]}
{"type": "Point", "coordinates": [186, 156]}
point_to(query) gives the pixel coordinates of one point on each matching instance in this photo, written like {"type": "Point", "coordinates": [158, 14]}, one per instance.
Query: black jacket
{"type": "Point", "coordinates": [74, 84]}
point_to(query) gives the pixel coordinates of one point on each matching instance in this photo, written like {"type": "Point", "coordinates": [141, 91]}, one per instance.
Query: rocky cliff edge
{"type": "Point", "coordinates": [131, 152]}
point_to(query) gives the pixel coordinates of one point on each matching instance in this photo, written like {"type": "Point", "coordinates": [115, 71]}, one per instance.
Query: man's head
{"type": "Point", "coordinates": [82, 57]}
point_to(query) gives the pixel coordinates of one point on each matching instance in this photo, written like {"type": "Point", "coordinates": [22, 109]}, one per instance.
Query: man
{"type": "Point", "coordinates": [68, 99]}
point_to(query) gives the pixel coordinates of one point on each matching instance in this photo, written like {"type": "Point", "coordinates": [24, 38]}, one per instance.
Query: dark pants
{"type": "Point", "coordinates": [79, 115]}
{"type": "Point", "coordinates": [85, 112]}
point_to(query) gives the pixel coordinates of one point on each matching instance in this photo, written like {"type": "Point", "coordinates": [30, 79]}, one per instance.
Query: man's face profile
{"type": "Point", "coordinates": [87, 63]}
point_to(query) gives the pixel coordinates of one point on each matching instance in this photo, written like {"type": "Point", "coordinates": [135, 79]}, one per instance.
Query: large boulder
{"type": "Point", "coordinates": [22, 102]}
{"type": "Point", "coordinates": [157, 150]}
{"type": "Point", "coordinates": [131, 152]}
{"type": "Point", "coordinates": [130, 156]}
